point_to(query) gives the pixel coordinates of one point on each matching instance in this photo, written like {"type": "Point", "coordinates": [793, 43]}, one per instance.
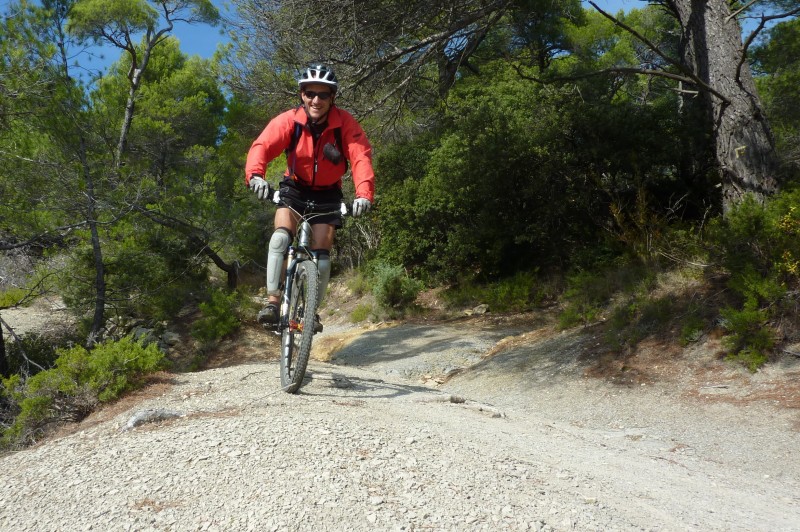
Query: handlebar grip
{"type": "Point", "coordinates": [273, 195]}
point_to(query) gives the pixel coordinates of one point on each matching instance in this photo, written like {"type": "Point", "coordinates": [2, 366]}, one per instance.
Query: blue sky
{"type": "Point", "coordinates": [202, 40]}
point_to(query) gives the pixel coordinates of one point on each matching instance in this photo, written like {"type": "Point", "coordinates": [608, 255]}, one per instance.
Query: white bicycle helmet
{"type": "Point", "coordinates": [319, 74]}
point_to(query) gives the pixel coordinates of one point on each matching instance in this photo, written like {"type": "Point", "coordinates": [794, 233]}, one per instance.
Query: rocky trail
{"type": "Point", "coordinates": [474, 424]}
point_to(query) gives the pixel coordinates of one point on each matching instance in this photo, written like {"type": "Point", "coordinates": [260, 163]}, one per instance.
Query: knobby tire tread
{"type": "Point", "coordinates": [302, 307]}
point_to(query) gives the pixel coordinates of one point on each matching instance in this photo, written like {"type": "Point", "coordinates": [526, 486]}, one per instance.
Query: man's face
{"type": "Point", "coordinates": [318, 99]}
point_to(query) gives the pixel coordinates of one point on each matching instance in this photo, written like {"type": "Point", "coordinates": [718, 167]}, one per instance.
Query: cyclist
{"type": "Point", "coordinates": [317, 156]}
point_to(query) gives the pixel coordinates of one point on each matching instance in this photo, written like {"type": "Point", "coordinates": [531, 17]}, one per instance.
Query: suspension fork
{"type": "Point", "coordinates": [288, 283]}
{"type": "Point", "coordinates": [287, 287]}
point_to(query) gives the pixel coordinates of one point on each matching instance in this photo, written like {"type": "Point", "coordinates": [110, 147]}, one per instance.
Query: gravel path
{"type": "Point", "coordinates": [519, 442]}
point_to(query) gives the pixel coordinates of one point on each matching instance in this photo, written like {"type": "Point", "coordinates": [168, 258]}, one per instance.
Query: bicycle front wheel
{"type": "Point", "coordinates": [297, 335]}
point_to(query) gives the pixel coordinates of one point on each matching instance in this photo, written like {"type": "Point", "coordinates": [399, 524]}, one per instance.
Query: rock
{"type": "Point", "coordinates": [149, 416]}
{"type": "Point", "coordinates": [170, 338]}
{"type": "Point", "coordinates": [144, 335]}
{"type": "Point", "coordinates": [481, 309]}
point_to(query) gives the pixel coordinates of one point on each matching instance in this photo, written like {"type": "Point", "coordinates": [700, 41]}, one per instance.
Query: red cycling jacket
{"type": "Point", "coordinates": [311, 168]}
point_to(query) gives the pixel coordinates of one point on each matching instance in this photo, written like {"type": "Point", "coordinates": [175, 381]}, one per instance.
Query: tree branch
{"type": "Point", "coordinates": [28, 361]}
{"type": "Point", "coordinates": [743, 8]}
{"type": "Point", "coordinates": [692, 77]}
{"type": "Point", "coordinates": [752, 37]}
{"type": "Point", "coordinates": [38, 239]}
{"type": "Point", "coordinates": [196, 236]}
{"type": "Point", "coordinates": [454, 28]}
{"type": "Point", "coordinates": [612, 70]}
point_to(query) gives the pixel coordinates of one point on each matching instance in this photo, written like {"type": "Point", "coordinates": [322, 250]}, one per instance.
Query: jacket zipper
{"type": "Point", "coordinates": [315, 150]}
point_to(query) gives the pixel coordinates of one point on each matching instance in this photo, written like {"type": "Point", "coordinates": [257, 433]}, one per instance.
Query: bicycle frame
{"type": "Point", "coordinates": [299, 251]}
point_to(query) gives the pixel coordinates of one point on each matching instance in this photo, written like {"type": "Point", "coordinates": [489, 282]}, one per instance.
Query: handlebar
{"type": "Point", "coordinates": [310, 206]}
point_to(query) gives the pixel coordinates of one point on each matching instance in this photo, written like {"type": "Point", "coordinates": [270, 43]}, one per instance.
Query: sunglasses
{"type": "Point", "coordinates": [322, 95]}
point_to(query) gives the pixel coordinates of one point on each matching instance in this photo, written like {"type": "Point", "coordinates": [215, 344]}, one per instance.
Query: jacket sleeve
{"type": "Point", "coordinates": [359, 153]}
{"type": "Point", "coordinates": [269, 145]}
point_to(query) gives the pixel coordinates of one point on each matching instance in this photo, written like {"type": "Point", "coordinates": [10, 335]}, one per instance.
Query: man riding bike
{"type": "Point", "coordinates": [319, 139]}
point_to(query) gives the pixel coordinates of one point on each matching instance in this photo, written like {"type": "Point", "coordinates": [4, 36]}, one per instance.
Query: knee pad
{"type": "Point", "coordinates": [324, 268]}
{"type": "Point", "coordinates": [280, 240]}
{"type": "Point", "coordinates": [278, 244]}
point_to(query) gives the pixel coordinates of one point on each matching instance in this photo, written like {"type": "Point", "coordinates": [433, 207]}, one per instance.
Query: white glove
{"type": "Point", "coordinates": [361, 205]}
{"type": "Point", "coordinates": [260, 187]}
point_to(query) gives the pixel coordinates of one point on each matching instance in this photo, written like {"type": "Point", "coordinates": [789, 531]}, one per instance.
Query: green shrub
{"type": "Point", "coordinates": [585, 296]}
{"type": "Point", "coordinates": [522, 291]}
{"type": "Point", "coordinates": [588, 293]}
{"type": "Point", "coordinates": [360, 313]}
{"type": "Point", "coordinates": [692, 329]}
{"type": "Point", "coordinates": [393, 288]}
{"type": "Point", "coordinates": [70, 390]}
{"type": "Point", "coordinates": [12, 296]}
{"type": "Point", "coordinates": [759, 246]}
{"type": "Point", "coordinates": [641, 315]}
{"type": "Point", "coordinates": [359, 284]}
{"type": "Point", "coordinates": [36, 348]}
{"type": "Point", "coordinates": [220, 316]}
{"type": "Point", "coordinates": [749, 340]}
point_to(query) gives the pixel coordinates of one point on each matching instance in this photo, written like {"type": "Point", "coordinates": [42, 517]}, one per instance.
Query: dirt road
{"type": "Point", "coordinates": [467, 425]}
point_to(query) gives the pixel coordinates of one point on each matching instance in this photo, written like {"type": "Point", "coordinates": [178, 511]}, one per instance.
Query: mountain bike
{"type": "Point", "coordinates": [301, 295]}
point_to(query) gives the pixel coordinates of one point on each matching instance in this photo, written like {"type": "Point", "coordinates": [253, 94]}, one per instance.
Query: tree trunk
{"type": "Point", "coordinates": [98, 319]}
{"type": "Point", "coordinates": [135, 79]}
{"type": "Point", "coordinates": [742, 141]}
{"type": "Point", "coordinates": [5, 369]}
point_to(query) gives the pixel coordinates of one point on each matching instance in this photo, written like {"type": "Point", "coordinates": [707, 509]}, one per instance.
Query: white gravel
{"type": "Point", "coordinates": [365, 446]}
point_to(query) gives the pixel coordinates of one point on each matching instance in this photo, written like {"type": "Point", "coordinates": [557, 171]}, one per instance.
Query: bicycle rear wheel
{"type": "Point", "coordinates": [297, 335]}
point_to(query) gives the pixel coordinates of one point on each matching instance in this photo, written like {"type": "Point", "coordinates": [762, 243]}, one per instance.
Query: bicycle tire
{"type": "Point", "coordinates": [299, 331]}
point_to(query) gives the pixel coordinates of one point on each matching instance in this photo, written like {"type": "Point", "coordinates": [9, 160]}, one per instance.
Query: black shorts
{"type": "Point", "coordinates": [296, 195]}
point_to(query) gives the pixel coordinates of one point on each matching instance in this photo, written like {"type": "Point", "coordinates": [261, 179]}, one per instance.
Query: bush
{"type": "Point", "coordinates": [749, 341]}
{"type": "Point", "coordinates": [36, 348]}
{"type": "Point", "coordinates": [12, 296]}
{"type": "Point", "coordinates": [71, 389]}
{"type": "Point", "coordinates": [220, 316]}
{"type": "Point", "coordinates": [360, 313]}
{"type": "Point", "coordinates": [522, 291]}
{"type": "Point", "coordinates": [759, 245]}
{"type": "Point", "coordinates": [588, 293]}
{"type": "Point", "coordinates": [393, 288]}
{"type": "Point", "coordinates": [359, 284]}
{"type": "Point", "coordinates": [692, 328]}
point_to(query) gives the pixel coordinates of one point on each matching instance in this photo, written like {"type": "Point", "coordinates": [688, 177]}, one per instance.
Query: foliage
{"type": "Point", "coordinates": [359, 283]}
{"type": "Point", "coordinates": [150, 273]}
{"type": "Point", "coordinates": [361, 313]}
{"type": "Point", "coordinates": [693, 325]}
{"type": "Point", "coordinates": [220, 317]}
{"type": "Point", "coordinates": [393, 288]}
{"type": "Point", "coordinates": [519, 292]}
{"type": "Point", "coordinates": [589, 292]}
{"type": "Point", "coordinates": [30, 348]}
{"type": "Point", "coordinates": [77, 382]}
{"type": "Point", "coordinates": [401, 55]}
{"type": "Point", "coordinates": [639, 317]}
{"type": "Point", "coordinates": [11, 296]}
{"type": "Point", "coordinates": [749, 340]}
{"type": "Point", "coordinates": [777, 60]}
{"type": "Point", "coordinates": [759, 245]}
